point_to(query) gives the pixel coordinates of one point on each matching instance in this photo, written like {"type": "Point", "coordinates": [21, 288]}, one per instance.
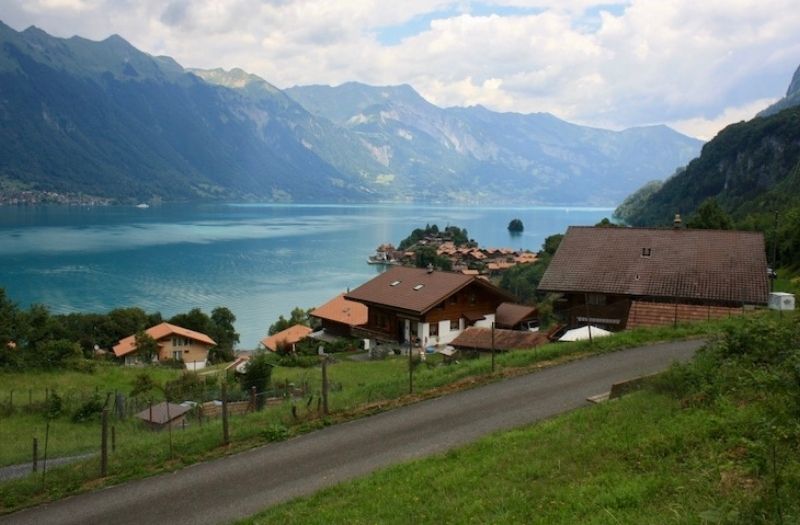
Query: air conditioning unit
{"type": "Point", "coordinates": [781, 301]}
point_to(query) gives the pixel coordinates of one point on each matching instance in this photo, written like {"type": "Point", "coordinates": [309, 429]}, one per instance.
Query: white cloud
{"type": "Point", "coordinates": [707, 128]}
{"type": "Point", "coordinates": [612, 64]}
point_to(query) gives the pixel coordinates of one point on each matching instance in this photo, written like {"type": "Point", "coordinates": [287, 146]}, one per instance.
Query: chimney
{"type": "Point", "coordinates": [677, 222]}
{"type": "Point", "coordinates": [430, 268]}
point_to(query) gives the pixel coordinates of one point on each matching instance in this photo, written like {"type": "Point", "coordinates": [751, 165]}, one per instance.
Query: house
{"type": "Point", "coordinates": [174, 342]}
{"type": "Point", "coordinates": [289, 337]}
{"type": "Point", "coordinates": [339, 316]}
{"type": "Point", "coordinates": [617, 278]}
{"type": "Point", "coordinates": [425, 306]}
{"type": "Point", "coordinates": [516, 316]}
{"type": "Point", "coordinates": [163, 415]}
{"type": "Point", "coordinates": [476, 338]}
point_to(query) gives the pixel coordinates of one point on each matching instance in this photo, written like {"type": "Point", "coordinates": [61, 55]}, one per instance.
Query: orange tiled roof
{"type": "Point", "coordinates": [293, 334]}
{"type": "Point", "coordinates": [159, 332]}
{"type": "Point", "coordinates": [340, 310]}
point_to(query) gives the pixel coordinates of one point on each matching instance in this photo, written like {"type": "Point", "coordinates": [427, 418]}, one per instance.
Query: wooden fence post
{"type": "Point", "coordinates": [226, 439]}
{"type": "Point", "coordinates": [113, 438]}
{"type": "Point", "coordinates": [46, 439]}
{"type": "Point", "coordinates": [104, 444]}
{"type": "Point", "coordinates": [325, 385]}
{"type": "Point", "coordinates": [253, 399]}
{"type": "Point", "coordinates": [35, 455]}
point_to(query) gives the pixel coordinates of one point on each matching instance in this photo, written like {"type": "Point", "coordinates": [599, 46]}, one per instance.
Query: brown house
{"type": "Point", "coordinates": [482, 339]}
{"type": "Point", "coordinates": [425, 306]}
{"type": "Point", "coordinates": [618, 278]}
{"type": "Point", "coordinates": [174, 342]}
{"type": "Point", "coordinates": [339, 316]}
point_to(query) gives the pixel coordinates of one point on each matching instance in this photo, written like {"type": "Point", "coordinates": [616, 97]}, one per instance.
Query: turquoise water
{"type": "Point", "coordinates": [258, 260]}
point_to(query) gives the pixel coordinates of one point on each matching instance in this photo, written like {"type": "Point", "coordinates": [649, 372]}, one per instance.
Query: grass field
{"type": "Point", "coordinates": [359, 388]}
{"type": "Point", "coordinates": [715, 441]}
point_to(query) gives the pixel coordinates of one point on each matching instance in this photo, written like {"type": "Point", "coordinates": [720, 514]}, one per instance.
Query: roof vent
{"type": "Point", "coordinates": [430, 268]}
{"type": "Point", "coordinates": [677, 222]}
{"type": "Point", "coordinates": [394, 283]}
{"type": "Point", "coordinates": [418, 287]}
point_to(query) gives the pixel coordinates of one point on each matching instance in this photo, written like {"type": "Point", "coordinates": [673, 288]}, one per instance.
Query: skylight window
{"type": "Point", "coordinates": [394, 283]}
{"type": "Point", "coordinates": [647, 252]}
{"type": "Point", "coordinates": [418, 287]}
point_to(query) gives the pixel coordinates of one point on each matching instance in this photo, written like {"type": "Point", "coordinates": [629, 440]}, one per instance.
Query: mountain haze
{"type": "Point", "coordinates": [537, 156]}
{"type": "Point", "coordinates": [105, 119]}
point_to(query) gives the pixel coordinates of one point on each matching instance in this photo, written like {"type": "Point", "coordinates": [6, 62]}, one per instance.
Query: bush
{"type": "Point", "coordinates": [276, 432]}
{"type": "Point", "coordinates": [89, 410]}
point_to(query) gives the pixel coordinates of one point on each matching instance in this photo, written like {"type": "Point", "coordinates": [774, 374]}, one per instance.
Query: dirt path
{"type": "Point", "coordinates": [237, 486]}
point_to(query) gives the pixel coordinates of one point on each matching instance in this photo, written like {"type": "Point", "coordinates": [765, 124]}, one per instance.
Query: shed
{"type": "Point", "coordinates": [164, 414]}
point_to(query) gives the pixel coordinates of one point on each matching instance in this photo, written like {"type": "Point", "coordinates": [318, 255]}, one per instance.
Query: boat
{"type": "Point", "coordinates": [143, 205]}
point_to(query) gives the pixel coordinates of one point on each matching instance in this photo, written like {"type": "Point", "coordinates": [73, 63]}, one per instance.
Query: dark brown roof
{"type": "Point", "coordinates": [414, 289]}
{"type": "Point", "coordinates": [511, 314]}
{"type": "Point", "coordinates": [688, 264]}
{"type": "Point", "coordinates": [481, 339]}
{"type": "Point", "coordinates": [159, 413]}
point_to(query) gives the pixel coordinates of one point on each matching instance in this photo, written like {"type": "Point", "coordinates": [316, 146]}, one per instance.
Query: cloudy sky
{"type": "Point", "coordinates": [695, 65]}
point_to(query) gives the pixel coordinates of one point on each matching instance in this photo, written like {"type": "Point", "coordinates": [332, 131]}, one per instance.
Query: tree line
{"type": "Point", "coordinates": [36, 338]}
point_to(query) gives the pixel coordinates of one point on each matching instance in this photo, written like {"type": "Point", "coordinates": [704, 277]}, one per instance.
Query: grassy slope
{"type": "Point", "coordinates": [638, 460]}
{"type": "Point", "coordinates": [365, 388]}
{"type": "Point", "coordinates": [714, 441]}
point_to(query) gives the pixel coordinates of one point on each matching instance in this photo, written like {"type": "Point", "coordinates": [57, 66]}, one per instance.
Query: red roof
{"type": "Point", "coordinates": [718, 265]}
{"type": "Point", "coordinates": [292, 335]}
{"type": "Point", "coordinates": [340, 310]}
{"type": "Point", "coordinates": [415, 289]}
{"type": "Point", "coordinates": [159, 332]}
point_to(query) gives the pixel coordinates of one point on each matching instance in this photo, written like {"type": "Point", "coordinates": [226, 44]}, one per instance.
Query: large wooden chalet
{"type": "Point", "coordinates": [618, 278]}
{"type": "Point", "coordinates": [424, 306]}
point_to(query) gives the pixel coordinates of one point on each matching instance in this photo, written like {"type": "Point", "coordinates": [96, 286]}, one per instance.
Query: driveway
{"type": "Point", "coordinates": [237, 486]}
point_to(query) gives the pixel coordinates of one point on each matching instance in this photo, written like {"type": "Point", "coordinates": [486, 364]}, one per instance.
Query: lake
{"type": "Point", "coordinates": [258, 260]}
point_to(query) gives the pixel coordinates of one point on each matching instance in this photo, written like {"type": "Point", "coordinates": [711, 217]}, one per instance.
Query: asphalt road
{"type": "Point", "coordinates": [237, 486]}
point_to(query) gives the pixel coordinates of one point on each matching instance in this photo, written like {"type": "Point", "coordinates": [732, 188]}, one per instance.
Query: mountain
{"type": "Point", "coordinates": [791, 99]}
{"type": "Point", "coordinates": [475, 153]}
{"type": "Point", "coordinates": [750, 168]}
{"type": "Point", "coordinates": [103, 118]}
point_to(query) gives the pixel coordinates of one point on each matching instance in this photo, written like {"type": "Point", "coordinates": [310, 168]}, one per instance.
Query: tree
{"type": "Point", "coordinates": [195, 319]}
{"type": "Point", "coordinates": [426, 255]}
{"type": "Point", "coordinates": [710, 216]}
{"type": "Point", "coordinates": [297, 316]}
{"type": "Point", "coordinates": [146, 346]}
{"type": "Point", "coordinates": [515, 226]}
{"type": "Point", "coordinates": [224, 333]}
{"type": "Point", "coordinates": [606, 223]}
{"type": "Point", "coordinates": [258, 373]}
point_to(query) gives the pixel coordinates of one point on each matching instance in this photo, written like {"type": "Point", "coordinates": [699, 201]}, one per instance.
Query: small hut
{"type": "Point", "coordinates": [158, 417]}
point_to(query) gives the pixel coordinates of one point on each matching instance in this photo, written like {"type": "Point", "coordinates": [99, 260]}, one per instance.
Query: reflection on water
{"type": "Point", "coordinates": [258, 260]}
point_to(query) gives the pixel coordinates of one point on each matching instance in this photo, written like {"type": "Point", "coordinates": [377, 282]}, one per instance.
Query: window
{"type": "Point", "coordinates": [394, 283]}
{"type": "Point", "coordinates": [646, 252]}
{"type": "Point", "coordinates": [454, 325]}
{"type": "Point", "coordinates": [176, 355]}
{"type": "Point", "coordinates": [454, 299]}
{"type": "Point", "coordinates": [434, 330]}
{"type": "Point", "coordinates": [418, 287]}
{"type": "Point", "coordinates": [596, 299]}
